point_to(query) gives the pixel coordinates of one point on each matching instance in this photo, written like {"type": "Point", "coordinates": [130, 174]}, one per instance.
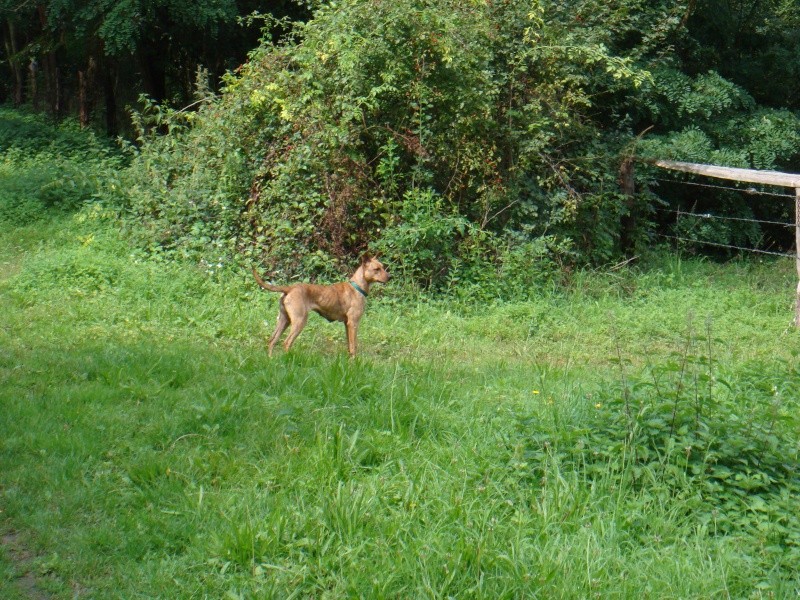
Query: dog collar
{"type": "Point", "coordinates": [358, 288]}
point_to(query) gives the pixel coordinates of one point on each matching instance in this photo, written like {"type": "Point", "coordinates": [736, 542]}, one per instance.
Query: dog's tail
{"type": "Point", "coordinates": [268, 286]}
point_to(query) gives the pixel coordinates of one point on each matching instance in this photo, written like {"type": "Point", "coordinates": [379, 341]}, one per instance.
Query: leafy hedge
{"type": "Point", "coordinates": [455, 137]}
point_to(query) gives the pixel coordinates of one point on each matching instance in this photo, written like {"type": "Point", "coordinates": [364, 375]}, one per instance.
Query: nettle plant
{"type": "Point", "coordinates": [720, 444]}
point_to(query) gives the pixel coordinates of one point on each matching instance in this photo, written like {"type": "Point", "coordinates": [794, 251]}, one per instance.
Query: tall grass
{"type": "Point", "coordinates": [535, 449]}
{"type": "Point", "coordinates": [150, 447]}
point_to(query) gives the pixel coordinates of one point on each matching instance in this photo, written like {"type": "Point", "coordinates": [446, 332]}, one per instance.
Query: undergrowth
{"type": "Point", "coordinates": [47, 169]}
{"type": "Point", "coordinates": [717, 443]}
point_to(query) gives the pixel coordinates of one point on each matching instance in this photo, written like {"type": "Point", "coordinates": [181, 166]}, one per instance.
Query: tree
{"type": "Point", "coordinates": [81, 51]}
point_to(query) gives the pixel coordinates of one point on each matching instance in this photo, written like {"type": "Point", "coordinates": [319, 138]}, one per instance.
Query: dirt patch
{"type": "Point", "coordinates": [21, 559]}
{"type": "Point", "coordinates": [8, 268]}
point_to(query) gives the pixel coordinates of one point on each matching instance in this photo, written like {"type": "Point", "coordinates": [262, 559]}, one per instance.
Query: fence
{"type": "Point", "coordinates": [772, 178]}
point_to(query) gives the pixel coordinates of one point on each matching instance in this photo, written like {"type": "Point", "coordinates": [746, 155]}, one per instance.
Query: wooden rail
{"type": "Point", "coordinates": [789, 180]}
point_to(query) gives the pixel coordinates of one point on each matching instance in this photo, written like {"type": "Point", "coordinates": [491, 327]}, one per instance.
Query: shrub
{"type": "Point", "coordinates": [437, 128]}
{"type": "Point", "coordinates": [47, 168]}
{"type": "Point", "coordinates": [426, 128]}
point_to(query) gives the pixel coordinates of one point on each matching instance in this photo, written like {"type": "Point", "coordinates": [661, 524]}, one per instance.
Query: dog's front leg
{"type": "Point", "coordinates": [351, 325]}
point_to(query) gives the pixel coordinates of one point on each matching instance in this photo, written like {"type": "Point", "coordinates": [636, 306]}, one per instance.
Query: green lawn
{"type": "Point", "coordinates": [535, 449]}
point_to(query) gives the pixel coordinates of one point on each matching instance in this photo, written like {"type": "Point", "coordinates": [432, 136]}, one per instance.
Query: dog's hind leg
{"type": "Point", "coordinates": [295, 307]}
{"type": "Point", "coordinates": [280, 327]}
{"type": "Point", "coordinates": [297, 326]}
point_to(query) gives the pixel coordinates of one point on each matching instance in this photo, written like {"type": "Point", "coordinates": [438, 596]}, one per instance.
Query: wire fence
{"type": "Point", "coordinates": [732, 247]}
{"type": "Point", "coordinates": [706, 216]}
{"type": "Point", "coordinates": [749, 191]}
{"type": "Point", "coordinates": [723, 218]}
{"type": "Point", "coordinates": [772, 179]}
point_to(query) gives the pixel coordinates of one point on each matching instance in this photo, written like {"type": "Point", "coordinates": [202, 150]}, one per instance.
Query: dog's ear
{"type": "Point", "coordinates": [365, 258]}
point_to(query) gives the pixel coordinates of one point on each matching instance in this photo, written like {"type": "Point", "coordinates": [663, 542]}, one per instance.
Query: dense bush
{"type": "Point", "coordinates": [441, 133]}
{"type": "Point", "coordinates": [448, 135]}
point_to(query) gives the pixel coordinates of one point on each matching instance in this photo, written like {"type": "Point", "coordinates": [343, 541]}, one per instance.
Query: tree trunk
{"type": "Point", "coordinates": [154, 76]}
{"type": "Point", "coordinates": [10, 42]}
{"type": "Point", "coordinates": [110, 97]}
{"type": "Point", "coordinates": [85, 93]}
{"type": "Point", "coordinates": [52, 72]}
{"type": "Point", "coordinates": [55, 84]}
{"type": "Point", "coordinates": [33, 77]}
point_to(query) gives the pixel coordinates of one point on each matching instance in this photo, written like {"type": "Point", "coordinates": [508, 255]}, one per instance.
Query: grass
{"type": "Point", "coordinates": [630, 435]}
{"type": "Point", "coordinates": [151, 449]}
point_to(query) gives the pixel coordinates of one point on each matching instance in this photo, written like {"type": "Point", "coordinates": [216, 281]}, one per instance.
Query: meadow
{"type": "Point", "coordinates": [623, 433]}
{"type": "Point", "coordinates": [530, 449]}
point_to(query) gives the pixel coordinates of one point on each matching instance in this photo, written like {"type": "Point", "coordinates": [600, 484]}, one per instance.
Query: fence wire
{"type": "Point", "coordinates": [718, 245]}
{"type": "Point", "coordinates": [723, 218]}
{"type": "Point", "coordinates": [749, 191]}
{"type": "Point", "coordinates": [699, 216]}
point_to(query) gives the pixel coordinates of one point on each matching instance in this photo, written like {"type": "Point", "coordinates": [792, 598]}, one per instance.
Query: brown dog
{"type": "Point", "coordinates": [343, 302]}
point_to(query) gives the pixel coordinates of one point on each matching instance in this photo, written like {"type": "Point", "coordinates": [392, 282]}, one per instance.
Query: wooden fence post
{"type": "Point", "coordinates": [627, 182]}
{"type": "Point", "coordinates": [797, 252]}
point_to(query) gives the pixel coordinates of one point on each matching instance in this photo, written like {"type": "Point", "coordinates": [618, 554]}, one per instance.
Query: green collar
{"type": "Point", "coordinates": [358, 288]}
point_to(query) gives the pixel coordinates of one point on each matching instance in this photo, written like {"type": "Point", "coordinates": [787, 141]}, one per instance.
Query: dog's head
{"type": "Point", "coordinates": [374, 271]}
